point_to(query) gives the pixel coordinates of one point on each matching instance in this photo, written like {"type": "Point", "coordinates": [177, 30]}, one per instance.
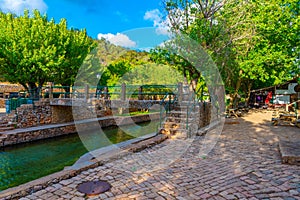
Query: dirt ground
{"type": "Point", "coordinates": [261, 119]}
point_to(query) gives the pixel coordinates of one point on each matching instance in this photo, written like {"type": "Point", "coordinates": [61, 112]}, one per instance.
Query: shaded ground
{"type": "Point", "coordinates": [245, 164]}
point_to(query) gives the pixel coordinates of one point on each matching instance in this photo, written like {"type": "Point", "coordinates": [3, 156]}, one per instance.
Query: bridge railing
{"type": "Point", "coordinates": [117, 92]}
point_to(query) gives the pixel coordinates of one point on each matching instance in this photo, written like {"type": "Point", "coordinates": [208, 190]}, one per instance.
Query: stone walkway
{"type": "Point", "coordinates": [245, 164]}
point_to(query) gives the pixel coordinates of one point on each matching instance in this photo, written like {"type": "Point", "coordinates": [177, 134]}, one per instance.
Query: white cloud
{"type": "Point", "coordinates": [155, 16]}
{"type": "Point", "coordinates": [177, 16]}
{"type": "Point", "coordinates": [119, 39]}
{"type": "Point", "coordinates": [18, 6]}
{"type": "Point", "coordinates": [158, 21]}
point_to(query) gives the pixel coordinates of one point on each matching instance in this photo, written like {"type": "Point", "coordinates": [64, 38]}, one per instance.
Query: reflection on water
{"type": "Point", "coordinates": [26, 162]}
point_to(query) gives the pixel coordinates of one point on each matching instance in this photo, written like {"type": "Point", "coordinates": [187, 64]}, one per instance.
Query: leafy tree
{"type": "Point", "coordinates": [266, 44]}
{"type": "Point", "coordinates": [250, 41]}
{"type": "Point", "coordinates": [187, 69]}
{"type": "Point", "coordinates": [152, 74]}
{"type": "Point", "coordinates": [122, 65]}
{"type": "Point", "coordinates": [34, 50]}
{"type": "Point", "coordinates": [108, 52]}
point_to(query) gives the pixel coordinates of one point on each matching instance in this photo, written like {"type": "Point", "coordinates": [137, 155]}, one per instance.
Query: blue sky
{"type": "Point", "coordinates": [129, 23]}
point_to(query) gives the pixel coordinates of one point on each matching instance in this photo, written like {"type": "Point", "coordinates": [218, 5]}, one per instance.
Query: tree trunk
{"type": "Point", "coordinates": [233, 99]}
{"type": "Point", "coordinates": [193, 85]}
{"type": "Point", "coordinates": [33, 90]}
{"type": "Point", "coordinates": [248, 94]}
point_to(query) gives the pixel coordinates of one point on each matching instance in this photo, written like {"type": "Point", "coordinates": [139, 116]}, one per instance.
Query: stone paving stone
{"type": "Point", "coordinates": [244, 164]}
{"type": "Point", "coordinates": [78, 198]}
{"type": "Point", "coordinates": [159, 198]}
{"type": "Point", "coordinates": [41, 192]}
{"type": "Point", "coordinates": [219, 198]}
{"type": "Point", "coordinates": [60, 192]}
{"type": "Point", "coordinates": [46, 196]}
{"type": "Point", "coordinates": [54, 197]}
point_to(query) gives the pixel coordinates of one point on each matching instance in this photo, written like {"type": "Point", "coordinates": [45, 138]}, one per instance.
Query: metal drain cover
{"type": "Point", "coordinates": [93, 188]}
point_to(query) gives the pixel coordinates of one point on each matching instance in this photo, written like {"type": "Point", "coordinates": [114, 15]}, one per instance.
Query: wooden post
{"type": "Point", "coordinates": [123, 92]}
{"type": "Point", "coordinates": [86, 90]}
{"type": "Point", "coordinates": [140, 95]}
{"type": "Point", "coordinates": [180, 91]}
{"type": "Point", "coordinates": [51, 91]}
{"type": "Point", "coordinates": [105, 92]}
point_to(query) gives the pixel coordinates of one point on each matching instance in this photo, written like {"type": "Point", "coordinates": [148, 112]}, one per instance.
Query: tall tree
{"type": "Point", "coordinates": [250, 41]}
{"type": "Point", "coordinates": [35, 50]}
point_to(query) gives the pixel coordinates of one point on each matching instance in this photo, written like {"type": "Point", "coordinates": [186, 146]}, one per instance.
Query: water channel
{"type": "Point", "coordinates": [25, 162]}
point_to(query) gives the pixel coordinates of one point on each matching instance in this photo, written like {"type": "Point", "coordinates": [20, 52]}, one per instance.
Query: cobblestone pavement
{"type": "Point", "coordinates": [245, 164]}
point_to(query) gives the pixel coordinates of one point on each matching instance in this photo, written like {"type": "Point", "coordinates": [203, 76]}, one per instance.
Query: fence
{"type": "Point", "coordinates": [118, 92]}
{"type": "Point", "coordinates": [14, 103]}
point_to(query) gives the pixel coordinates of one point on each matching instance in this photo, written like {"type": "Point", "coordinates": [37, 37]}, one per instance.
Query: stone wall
{"type": "Point", "coordinates": [61, 114]}
{"type": "Point", "coordinates": [16, 137]}
{"type": "Point", "coordinates": [100, 108]}
{"type": "Point", "coordinates": [40, 113]}
{"type": "Point", "coordinates": [2, 103]}
{"type": "Point", "coordinates": [6, 87]}
{"type": "Point", "coordinates": [46, 112]}
{"type": "Point", "coordinates": [49, 131]}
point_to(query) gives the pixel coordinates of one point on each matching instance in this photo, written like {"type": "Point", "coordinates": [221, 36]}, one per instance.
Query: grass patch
{"type": "Point", "coordinates": [136, 113]}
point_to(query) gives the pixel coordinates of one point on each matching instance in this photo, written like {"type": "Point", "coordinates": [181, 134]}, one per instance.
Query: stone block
{"type": "Point", "coordinates": [290, 152]}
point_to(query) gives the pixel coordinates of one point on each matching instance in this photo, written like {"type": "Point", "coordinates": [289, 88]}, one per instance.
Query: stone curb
{"type": "Point", "coordinates": [290, 152]}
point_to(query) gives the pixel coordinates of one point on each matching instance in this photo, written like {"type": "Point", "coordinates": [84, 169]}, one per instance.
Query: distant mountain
{"type": "Point", "coordinates": [110, 53]}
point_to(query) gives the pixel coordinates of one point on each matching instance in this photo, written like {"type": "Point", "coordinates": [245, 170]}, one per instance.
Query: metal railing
{"type": "Point", "coordinates": [131, 92]}
{"type": "Point", "coordinates": [168, 104]}
{"type": "Point", "coordinates": [14, 103]}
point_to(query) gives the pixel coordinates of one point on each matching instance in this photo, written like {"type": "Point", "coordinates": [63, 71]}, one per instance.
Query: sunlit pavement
{"type": "Point", "coordinates": [245, 164]}
{"type": "Point", "coordinates": [2, 111]}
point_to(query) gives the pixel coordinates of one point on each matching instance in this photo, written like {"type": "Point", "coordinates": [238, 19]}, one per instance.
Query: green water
{"type": "Point", "coordinates": [22, 163]}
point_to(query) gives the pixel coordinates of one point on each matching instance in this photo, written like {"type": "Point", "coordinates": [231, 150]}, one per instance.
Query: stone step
{"type": "Point", "coordinates": [3, 136]}
{"type": "Point", "coordinates": [8, 125]}
{"type": "Point", "coordinates": [174, 119]}
{"type": "Point", "coordinates": [175, 125]}
{"type": "Point", "coordinates": [180, 111]}
{"type": "Point", "coordinates": [179, 119]}
{"type": "Point", "coordinates": [187, 103]}
{"type": "Point", "coordinates": [9, 128]}
{"type": "Point", "coordinates": [174, 133]}
{"type": "Point", "coordinates": [177, 114]}
{"type": "Point", "coordinates": [181, 114]}
{"type": "Point", "coordinates": [185, 108]}
{"type": "Point", "coordinates": [169, 124]}
{"type": "Point", "coordinates": [3, 122]}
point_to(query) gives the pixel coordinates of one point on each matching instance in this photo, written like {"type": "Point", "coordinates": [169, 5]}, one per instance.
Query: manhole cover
{"type": "Point", "coordinates": [93, 188]}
